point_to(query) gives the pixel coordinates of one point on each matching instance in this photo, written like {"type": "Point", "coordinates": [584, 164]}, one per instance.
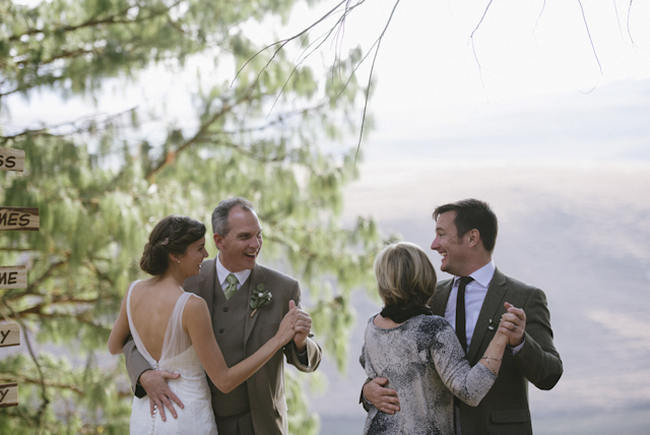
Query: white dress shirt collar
{"type": "Point", "coordinates": [483, 275]}
{"type": "Point", "coordinates": [222, 274]}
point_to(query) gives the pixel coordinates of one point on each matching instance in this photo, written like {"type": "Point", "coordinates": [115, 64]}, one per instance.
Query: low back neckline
{"type": "Point", "coordinates": [179, 304]}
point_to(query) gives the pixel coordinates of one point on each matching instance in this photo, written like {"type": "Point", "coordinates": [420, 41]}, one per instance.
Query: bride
{"type": "Point", "coordinates": [172, 329]}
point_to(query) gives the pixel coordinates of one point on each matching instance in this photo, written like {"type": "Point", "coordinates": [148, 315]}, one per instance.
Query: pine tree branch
{"type": "Point", "coordinates": [372, 70]}
{"type": "Point", "coordinates": [629, 11]}
{"type": "Point", "coordinates": [60, 299]}
{"type": "Point", "coordinates": [77, 126]}
{"type": "Point", "coordinates": [28, 380]}
{"type": "Point", "coordinates": [249, 153]}
{"type": "Point", "coordinates": [282, 43]}
{"type": "Point", "coordinates": [591, 41]}
{"type": "Point", "coordinates": [170, 157]}
{"type": "Point", "coordinates": [101, 275]}
{"type": "Point", "coordinates": [62, 55]}
{"type": "Point", "coordinates": [94, 22]}
{"type": "Point", "coordinates": [337, 25]}
{"type": "Point", "coordinates": [471, 37]}
{"type": "Point", "coordinates": [50, 270]}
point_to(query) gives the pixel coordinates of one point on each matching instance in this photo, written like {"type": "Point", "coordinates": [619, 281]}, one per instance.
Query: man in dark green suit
{"type": "Point", "coordinates": [465, 237]}
{"type": "Point", "coordinates": [228, 283]}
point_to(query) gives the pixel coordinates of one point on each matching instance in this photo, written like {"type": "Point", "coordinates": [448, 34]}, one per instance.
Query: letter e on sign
{"type": "Point", "coordinates": [13, 277]}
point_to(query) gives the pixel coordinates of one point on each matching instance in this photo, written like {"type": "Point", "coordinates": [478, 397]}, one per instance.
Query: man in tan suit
{"type": "Point", "coordinates": [233, 285]}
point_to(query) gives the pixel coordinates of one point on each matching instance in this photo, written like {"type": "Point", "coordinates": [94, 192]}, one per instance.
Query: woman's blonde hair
{"type": "Point", "coordinates": [404, 274]}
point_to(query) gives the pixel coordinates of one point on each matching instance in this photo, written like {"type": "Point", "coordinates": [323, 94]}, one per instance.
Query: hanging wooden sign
{"type": "Point", "coordinates": [12, 159]}
{"type": "Point", "coordinates": [9, 334]}
{"type": "Point", "coordinates": [13, 277]}
{"type": "Point", "coordinates": [8, 395]}
{"type": "Point", "coordinates": [19, 219]}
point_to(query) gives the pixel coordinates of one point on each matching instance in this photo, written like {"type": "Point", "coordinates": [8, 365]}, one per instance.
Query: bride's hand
{"type": "Point", "coordinates": [286, 330]}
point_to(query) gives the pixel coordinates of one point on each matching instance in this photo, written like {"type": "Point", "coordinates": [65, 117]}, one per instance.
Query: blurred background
{"type": "Point", "coordinates": [129, 111]}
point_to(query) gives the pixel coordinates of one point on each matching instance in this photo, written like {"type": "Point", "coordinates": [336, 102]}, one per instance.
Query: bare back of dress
{"type": "Point", "coordinates": [191, 387]}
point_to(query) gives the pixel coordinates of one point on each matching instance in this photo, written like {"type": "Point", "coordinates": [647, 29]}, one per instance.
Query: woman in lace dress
{"type": "Point", "coordinates": [173, 330]}
{"type": "Point", "coordinates": [418, 352]}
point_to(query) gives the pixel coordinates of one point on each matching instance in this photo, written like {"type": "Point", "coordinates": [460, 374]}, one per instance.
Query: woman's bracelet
{"type": "Point", "coordinates": [489, 357]}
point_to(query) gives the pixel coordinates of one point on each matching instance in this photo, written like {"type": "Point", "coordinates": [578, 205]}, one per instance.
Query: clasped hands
{"type": "Point", "coordinates": [301, 325]}
{"type": "Point", "coordinates": [512, 325]}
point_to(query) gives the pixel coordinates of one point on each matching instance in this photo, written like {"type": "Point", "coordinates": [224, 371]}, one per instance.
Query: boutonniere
{"type": "Point", "coordinates": [259, 298]}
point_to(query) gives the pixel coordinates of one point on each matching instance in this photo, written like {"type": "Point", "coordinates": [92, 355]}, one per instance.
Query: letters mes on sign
{"type": "Point", "coordinates": [18, 219]}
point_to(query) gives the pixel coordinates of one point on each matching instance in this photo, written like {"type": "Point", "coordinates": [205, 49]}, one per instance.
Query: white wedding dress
{"type": "Point", "coordinates": [191, 387]}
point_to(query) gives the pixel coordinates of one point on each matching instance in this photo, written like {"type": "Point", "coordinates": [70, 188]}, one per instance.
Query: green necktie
{"type": "Point", "coordinates": [231, 286]}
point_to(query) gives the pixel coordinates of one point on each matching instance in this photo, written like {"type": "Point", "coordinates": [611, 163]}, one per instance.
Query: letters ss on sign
{"type": "Point", "coordinates": [12, 159]}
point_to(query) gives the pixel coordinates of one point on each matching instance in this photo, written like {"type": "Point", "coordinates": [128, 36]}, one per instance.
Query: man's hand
{"type": "Point", "coordinates": [514, 322]}
{"type": "Point", "coordinates": [154, 383]}
{"type": "Point", "coordinates": [302, 327]}
{"type": "Point", "coordinates": [384, 399]}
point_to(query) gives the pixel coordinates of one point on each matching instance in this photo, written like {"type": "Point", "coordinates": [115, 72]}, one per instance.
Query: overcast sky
{"type": "Point", "coordinates": [529, 87]}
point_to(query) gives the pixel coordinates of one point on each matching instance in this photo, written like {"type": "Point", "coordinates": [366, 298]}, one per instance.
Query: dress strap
{"type": "Point", "coordinates": [176, 339]}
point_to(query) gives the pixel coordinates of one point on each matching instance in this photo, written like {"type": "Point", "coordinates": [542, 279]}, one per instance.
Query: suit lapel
{"type": "Point", "coordinates": [489, 316]}
{"type": "Point", "coordinates": [209, 285]}
{"type": "Point", "coordinates": [440, 298]}
{"type": "Point", "coordinates": [250, 322]}
{"type": "Point", "coordinates": [205, 286]}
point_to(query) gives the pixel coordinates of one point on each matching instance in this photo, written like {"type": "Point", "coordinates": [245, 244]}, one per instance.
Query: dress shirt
{"type": "Point", "coordinates": [475, 292]}
{"type": "Point", "coordinates": [222, 274]}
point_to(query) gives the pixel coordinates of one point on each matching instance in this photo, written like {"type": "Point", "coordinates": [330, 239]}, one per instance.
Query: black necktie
{"type": "Point", "coordinates": [460, 311]}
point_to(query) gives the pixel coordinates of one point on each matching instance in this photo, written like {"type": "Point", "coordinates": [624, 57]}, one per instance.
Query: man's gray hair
{"type": "Point", "coordinates": [221, 211]}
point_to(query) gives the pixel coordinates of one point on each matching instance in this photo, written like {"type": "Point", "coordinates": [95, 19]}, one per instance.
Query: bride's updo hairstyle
{"type": "Point", "coordinates": [172, 235]}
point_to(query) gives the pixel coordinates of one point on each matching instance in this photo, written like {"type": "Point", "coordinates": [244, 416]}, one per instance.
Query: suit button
{"type": "Point", "coordinates": [221, 331]}
{"type": "Point", "coordinates": [225, 309]}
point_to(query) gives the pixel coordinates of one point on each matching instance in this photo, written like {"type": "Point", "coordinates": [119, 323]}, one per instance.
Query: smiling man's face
{"type": "Point", "coordinates": [453, 249]}
{"type": "Point", "coordinates": [239, 248]}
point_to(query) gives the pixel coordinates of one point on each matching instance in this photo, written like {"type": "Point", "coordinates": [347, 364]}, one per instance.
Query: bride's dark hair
{"type": "Point", "coordinates": [172, 235]}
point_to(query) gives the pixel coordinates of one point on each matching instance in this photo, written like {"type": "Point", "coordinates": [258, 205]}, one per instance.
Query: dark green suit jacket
{"type": "Point", "coordinates": [504, 410]}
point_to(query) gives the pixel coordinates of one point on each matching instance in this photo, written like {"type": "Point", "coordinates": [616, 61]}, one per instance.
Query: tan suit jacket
{"type": "Point", "coordinates": [504, 410]}
{"type": "Point", "coordinates": [266, 387]}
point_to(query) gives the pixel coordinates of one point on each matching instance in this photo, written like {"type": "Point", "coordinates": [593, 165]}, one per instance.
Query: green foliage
{"type": "Point", "coordinates": [101, 183]}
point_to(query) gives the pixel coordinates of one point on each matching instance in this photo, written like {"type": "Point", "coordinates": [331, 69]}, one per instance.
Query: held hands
{"type": "Point", "coordinates": [295, 325]}
{"type": "Point", "coordinates": [154, 383]}
{"type": "Point", "coordinates": [384, 399]}
{"type": "Point", "coordinates": [513, 324]}
{"type": "Point", "coordinates": [302, 327]}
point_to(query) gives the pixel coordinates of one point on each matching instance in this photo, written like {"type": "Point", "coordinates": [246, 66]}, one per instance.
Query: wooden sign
{"type": "Point", "coordinates": [13, 277]}
{"type": "Point", "coordinates": [8, 395]}
{"type": "Point", "coordinates": [9, 334]}
{"type": "Point", "coordinates": [18, 219]}
{"type": "Point", "coordinates": [12, 159]}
